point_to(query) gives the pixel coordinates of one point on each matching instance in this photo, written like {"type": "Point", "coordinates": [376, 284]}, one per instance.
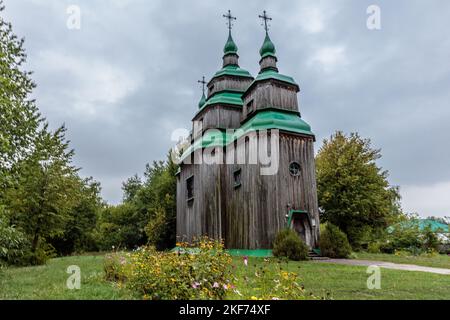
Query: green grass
{"type": "Point", "coordinates": [49, 281]}
{"type": "Point", "coordinates": [340, 281]}
{"type": "Point", "coordinates": [437, 261]}
{"type": "Point", "coordinates": [345, 282]}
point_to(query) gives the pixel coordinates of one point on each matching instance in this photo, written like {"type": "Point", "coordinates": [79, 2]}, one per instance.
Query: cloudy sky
{"type": "Point", "coordinates": [128, 78]}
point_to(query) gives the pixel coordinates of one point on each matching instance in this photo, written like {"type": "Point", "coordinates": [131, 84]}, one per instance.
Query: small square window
{"type": "Point", "coordinates": [237, 178]}
{"type": "Point", "coordinates": [190, 188]}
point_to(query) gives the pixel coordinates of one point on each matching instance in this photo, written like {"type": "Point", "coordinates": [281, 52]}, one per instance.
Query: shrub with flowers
{"type": "Point", "coordinates": [201, 270]}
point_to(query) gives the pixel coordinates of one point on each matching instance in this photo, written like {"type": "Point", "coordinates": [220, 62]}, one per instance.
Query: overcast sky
{"type": "Point", "coordinates": [128, 78]}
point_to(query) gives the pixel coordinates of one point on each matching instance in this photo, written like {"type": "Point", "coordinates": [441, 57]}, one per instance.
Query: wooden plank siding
{"type": "Point", "coordinates": [271, 94]}
{"type": "Point", "coordinates": [248, 216]}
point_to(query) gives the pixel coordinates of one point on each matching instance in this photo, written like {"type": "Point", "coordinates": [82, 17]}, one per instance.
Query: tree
{"type": "Point", "coordinates": [47, 190]}
{"type": "Point", "coordinates": [19, 116]}
{"type": "Point", "coordinates": [78, 234]}
{"type": "Point", "coordinates": [354, 193]}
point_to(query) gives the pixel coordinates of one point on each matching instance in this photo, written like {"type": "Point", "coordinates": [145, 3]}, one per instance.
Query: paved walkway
{"type": "Point", "coordinates": [387, 265]}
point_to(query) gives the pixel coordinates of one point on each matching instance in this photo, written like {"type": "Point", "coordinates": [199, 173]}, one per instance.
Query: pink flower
{"type": "Point", "coordinates": [215, 285]}
{"type": "Point", "coordinates": [195, 285]}
{"type": "Point", "coordinates": [246, 261]}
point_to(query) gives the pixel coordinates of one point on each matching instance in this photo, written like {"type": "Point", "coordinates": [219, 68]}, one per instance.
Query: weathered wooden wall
{"type": "Point", "coordinates": [228, 83]}
{"type": "Point", "coordinates": [220, 116]}
{"type": "Point", "coordinates": [271, 94]}
{"type": "Point", "coordinates": [249, 217]}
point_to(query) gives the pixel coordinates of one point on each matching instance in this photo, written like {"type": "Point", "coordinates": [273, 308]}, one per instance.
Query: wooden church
{"type": "Point", "coordinates": [230, 198]}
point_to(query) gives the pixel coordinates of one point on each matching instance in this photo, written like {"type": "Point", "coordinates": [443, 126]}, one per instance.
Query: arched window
{"type": "Point", "coordinates": [294, 169]}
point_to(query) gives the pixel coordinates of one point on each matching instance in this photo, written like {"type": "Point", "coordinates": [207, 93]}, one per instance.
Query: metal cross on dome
{"type": "Point", "coordinates": [203, 82]}
{"type": "Point", "coordinates": [266, 18]}
{"type": "Point", "coordinates": [230, 19]}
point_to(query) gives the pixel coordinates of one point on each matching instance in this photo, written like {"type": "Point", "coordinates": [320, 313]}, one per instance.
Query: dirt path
{"type": "Point", "coordinates": [387, 265]}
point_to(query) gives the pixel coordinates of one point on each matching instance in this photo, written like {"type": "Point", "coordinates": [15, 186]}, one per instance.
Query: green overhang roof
{"type": "Point", "coordinates": [263, 120]}
{"type": "Point", "coordinates": [272, 74]}
{"type": "Point", "coordinates": [224, 97]}
{"type": "Point", "coordinates": [232, 70]}
{"type": "Point", "coordinates": [272, 119]}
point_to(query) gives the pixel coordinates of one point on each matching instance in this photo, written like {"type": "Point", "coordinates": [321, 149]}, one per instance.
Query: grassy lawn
{"type": "Point", "coordinates": [437, 261]}
{"type": "Point", "coordinates": [49, 281]}
{"type": "Point", "coordinates": [340, 281]}
{"type": "Point", "coordinates": [349, 282]}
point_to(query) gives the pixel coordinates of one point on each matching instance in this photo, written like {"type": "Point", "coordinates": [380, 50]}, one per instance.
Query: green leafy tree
{"type": "Point", "coordinates": [120, 227]}
{"type": "Point", "coordinates": [79, 231]}
{"type": "Point", "coordinates": [47, 190]}
{"type": "Point", "coordinates": [19, 116]}
{"type": "Point", "coordinates": [354, 193]}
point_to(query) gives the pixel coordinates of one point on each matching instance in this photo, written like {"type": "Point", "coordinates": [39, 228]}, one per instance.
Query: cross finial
{"type": "Point", "coordinates": [266, 18]}
{"type": "Point", "coordinates": [203, 82]}
{"type": "Point", "coordinates": [230, 19]}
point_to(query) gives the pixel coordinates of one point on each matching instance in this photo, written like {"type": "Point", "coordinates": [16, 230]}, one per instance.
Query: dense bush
{"type": "Point", "coordinates": [288, 244]}
{"type": "Point", "coordinates": [14, 245]}
{"type": "Point", "coordinates": [204, 273]}
{"type": "Point", "coordinates": [409, 238]}
{"type": "Point", "coordinates": [334, 242]}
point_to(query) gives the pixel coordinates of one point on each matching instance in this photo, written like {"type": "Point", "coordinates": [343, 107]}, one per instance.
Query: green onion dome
{"type": "Point", "coordinates": [268, 48]}
{"type": "Point", "coordinates": [202, 101]}
{"type": "Point", "coordinates": [230, 46]}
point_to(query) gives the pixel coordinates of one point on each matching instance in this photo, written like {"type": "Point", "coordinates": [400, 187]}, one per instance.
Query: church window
{"type": "Point", "coordinates": [294, 169]}
{"type": "Point", "coordinates": [250, 107]}
{"type": "Point", "coordinates": [237, 178]}
{"type": "Point", "coordinates": [190, 188]}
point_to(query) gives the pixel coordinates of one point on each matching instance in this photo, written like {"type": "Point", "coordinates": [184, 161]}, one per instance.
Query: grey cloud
{"type": "Point", "coordinates": [390, 85]}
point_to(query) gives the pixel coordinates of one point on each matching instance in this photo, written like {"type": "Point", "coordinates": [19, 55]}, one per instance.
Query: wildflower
{"type": "Point", "coordinates": [195, 285]}
{"type": "Point", "coordinates": [215, 285]}
{"type": "Point", "coordinates": [246, 261]}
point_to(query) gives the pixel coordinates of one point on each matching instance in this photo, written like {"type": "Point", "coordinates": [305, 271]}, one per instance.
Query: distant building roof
{"type": "Point", "coordinates": [422, 224]}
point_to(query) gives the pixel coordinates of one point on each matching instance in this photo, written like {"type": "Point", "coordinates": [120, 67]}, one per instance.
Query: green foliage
{"type": "Point", "coordinates": [79, 231]}
{"type": "Point", "coordinates": [334, 242]}
{"type": "Point", "coordinates": [13, 243]}
{"type": "Point", "coordinates": [120, 226]}
{"type": "Point", "coordinates": [288, 244]}
{"type": "Point", "coordinates": [156, 275]}
{"type": "Point", "coordinates": [409, 238]}
{"type": "Point", "coordinates": [44, 197]}
{"type": "Point", "coordinates": [353, 191]}
{"type": "Point", "coordinates": [19, 116]}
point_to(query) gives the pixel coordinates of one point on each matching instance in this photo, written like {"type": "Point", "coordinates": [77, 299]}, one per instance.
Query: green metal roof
{"type": "Point", "coordinates": [232, 70]}
{"type": "Point", "coordinates": [422, 224]}
{"type": "Point", "coordinates": [273, 119]}
{"type": "Point", "coordinates": [263, 120]}
{"type": "Point", "coordinates": [230, 46]}
{"type": "Point", "coordinates": [272, 74]}
{"type": "Point", "coordinates": [268, 48]}
{"type": "Point", "coordinates": [224, 97]}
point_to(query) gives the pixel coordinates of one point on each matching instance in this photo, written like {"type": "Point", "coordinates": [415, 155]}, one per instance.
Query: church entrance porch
{"type": "Point", "coordinates": [299, 221]}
